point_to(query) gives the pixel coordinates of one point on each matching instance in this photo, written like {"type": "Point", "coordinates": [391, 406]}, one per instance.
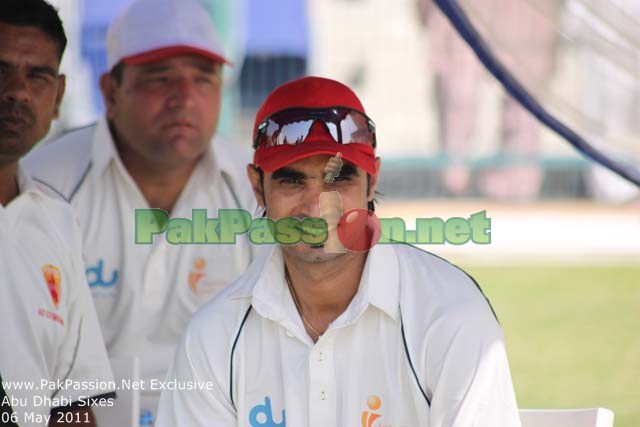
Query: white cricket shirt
{"type": "Point", "coordinates": [50, 331]}
{"type": "Point", "coordinates": [145, 294]}
{"type": "Point", "coordinates": [418, 346]}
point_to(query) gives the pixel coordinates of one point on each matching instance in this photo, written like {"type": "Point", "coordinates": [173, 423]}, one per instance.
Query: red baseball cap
{"type": "Point", "coordinates": [311, 92]}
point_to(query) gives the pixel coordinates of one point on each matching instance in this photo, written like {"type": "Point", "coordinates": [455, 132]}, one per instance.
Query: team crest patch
{"type": "Point", "coordinates": [53, 279]}
{"type": "Point", "coordinates": [197, 273]}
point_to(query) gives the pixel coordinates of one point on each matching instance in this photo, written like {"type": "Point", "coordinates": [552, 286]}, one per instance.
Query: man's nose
{"type": "Point", "coordinates": [15, 87]}
{"type": "Point", "coordinates": [312, 200]}
{"type": "Point", "coordinates": [182, 93]}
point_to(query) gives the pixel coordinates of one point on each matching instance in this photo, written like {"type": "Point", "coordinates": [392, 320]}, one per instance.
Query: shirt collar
{"type": "Point", "coordinates": [264, 282]}
{"type": "Point", "coordinates": [219, 160]}
{"type": "Point", "coordinates": [104, 147]}
{"type": "Point", "coordinates": [25, 183]}
{"type": "Point", "coordinates": [104, 151]}
{"type": "Point", "coordinates": [27, 189]}
{"type": "Point", "coordinates": [379, 285]}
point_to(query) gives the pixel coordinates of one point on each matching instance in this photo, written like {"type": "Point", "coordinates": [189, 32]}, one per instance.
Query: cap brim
{"type": "Point", "coordinates": [167, 52]}
{"type": "Point", "coordinates": [273, 158]}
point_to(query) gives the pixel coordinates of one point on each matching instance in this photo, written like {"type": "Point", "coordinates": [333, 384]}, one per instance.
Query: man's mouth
{"type": "Point", "coordinates": [13, 126]}
{"type": "Point", "coordinates": [13, 120]}
{"type": "Point", "coordinates": [180, 124]}
{"type": "Point", "coordinates": [14, 114]}
{"type": "Point", "coordinates": [312, 230]}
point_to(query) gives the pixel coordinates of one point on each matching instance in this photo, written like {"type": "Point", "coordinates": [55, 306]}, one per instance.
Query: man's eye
{"type": "Point", "coordinates": [342, 178]}
{"type": "Point", "coordinates": [158, 80]}
{"type": "Point", "coordinates": [39, 77]}
{"type": "Point", "coordinates": [290, 181]}
{"type": "Point", "coordinates": [205, 79]}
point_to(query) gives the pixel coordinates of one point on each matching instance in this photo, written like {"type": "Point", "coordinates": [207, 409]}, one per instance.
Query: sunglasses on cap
{"type": "Point", "coordinates": [292, 127]}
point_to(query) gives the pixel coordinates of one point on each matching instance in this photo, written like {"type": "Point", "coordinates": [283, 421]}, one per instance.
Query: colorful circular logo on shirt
{"type": "Point", "coordinates": [374, 402]}
{"type": "Point", "coordinates": [368, 418]}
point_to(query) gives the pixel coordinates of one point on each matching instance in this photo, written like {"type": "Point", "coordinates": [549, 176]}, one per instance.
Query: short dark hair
{"type": "Point", "coordinates": [35, 13]}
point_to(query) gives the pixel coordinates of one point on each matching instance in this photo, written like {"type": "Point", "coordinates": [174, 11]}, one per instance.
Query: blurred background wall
{"type": "Point", "coordinates": [446, 127]}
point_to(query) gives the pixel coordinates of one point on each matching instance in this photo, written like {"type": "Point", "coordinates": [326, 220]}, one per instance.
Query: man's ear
{"type": "Point", "coordinates": [373, 182]}
{"type": "Point", "coordinates": [108, 87]}
{"type": "Point", "coordinates": [62, 84]}
{"type": "Point", "coordinates": [256, 184]}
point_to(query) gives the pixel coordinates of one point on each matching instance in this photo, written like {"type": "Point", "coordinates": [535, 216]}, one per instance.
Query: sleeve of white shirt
{"type": "Point", "coordinates": [205, 405]}
{"type": "Point", "coordinates": [83, 358]}
{"type": "Point", "coordinates": [468, 372]}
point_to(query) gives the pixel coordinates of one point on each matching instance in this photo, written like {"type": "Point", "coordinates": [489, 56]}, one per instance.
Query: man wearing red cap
{"type": "Point", "coordinates": [394, 336]}
{"type": "Point", "coordinates": [152, 150]}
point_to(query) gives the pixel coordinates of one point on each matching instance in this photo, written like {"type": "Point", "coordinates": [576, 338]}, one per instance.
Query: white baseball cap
{"type": "Point", "coordinates": [150, 30]}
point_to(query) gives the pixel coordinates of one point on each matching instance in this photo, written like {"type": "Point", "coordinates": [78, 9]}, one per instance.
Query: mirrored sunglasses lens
{"type": "Point", "coordinates": [293, 133]}
{"type": "Point", "coordinates": [355, 129]}
{"type": "Point", "coordinates": [333, 130]}
{"type": "Point", "coordinates": [292, 127]}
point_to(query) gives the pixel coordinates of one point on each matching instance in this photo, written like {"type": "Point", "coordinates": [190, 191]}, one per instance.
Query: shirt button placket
{"type": "Point", "coordinates": [322, 390]}
{"type": "Point", "coordinates": [155, 275]}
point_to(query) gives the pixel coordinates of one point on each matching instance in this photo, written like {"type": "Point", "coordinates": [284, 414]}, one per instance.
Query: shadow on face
{"type": "Point", "coordinates": [31, 89]}
{"type": "Point", "coordinates": [164, 112]}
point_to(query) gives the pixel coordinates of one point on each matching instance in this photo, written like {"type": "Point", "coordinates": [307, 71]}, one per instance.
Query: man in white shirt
{"type": "Point", "coordinates": [53, 362]}
{"type": "Point", "coordinates": [153, 149]}
{"type": "Point", "coordinates": [390, 337]}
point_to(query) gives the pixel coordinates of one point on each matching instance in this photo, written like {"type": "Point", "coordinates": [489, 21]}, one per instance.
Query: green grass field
{"type": "Point", "coordinates": [573, 335]}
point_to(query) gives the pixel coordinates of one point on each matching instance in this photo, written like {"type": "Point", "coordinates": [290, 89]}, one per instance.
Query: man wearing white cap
{"type": "Point", "coordinates": [152, 150]}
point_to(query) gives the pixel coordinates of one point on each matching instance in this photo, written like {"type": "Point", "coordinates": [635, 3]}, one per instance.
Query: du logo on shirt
{"type": "Point", "coordinates": [96, 278]}
{"type": "Point", "coordinates": [261, 416]}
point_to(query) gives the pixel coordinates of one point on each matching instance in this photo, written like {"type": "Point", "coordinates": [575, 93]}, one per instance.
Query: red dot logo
{"type": "Point", "coordinates": [359, 230]}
